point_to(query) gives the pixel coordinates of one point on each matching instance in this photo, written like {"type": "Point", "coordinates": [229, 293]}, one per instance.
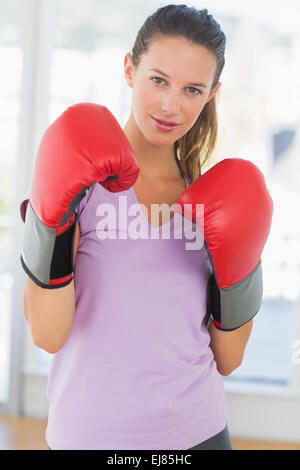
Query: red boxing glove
{"type": "Point", "coordinates": [84, 145]}
{"type": "Point", "coordinates": [237, 220]}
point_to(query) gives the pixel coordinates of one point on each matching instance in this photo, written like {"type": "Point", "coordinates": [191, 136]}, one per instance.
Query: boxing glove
{"type": "Point", "coordinates": [85, 144]}
{"type": "Point", "coordinates": [235, 223]}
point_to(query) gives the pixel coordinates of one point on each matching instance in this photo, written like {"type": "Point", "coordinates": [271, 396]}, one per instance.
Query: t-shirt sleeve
{"type": "Point", "coordinates": [80, 207]}
{"type": "Point", "coordinates": [23, 204]}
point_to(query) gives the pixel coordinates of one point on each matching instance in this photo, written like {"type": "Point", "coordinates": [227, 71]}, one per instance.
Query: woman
{"type": "Point", "coordinates": [139, 367]}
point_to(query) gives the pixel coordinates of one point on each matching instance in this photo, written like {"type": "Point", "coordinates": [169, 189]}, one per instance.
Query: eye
{"type": "Point", "coordinates": [195, 92]}
{"type": "Point", "coordinates": [157, 78]}
{"type": "Point", "coordinates": [196, 89]}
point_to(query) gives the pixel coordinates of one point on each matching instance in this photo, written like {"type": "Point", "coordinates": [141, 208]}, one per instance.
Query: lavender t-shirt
{"type": "Point", "coordinates": [137, 371]}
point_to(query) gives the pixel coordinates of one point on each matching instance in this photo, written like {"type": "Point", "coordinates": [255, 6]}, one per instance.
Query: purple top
{"type": "Point", "coordinates": [137, 371]}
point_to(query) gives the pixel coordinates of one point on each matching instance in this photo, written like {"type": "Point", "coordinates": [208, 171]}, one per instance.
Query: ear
{"type": "Point", "coordinates": [129, 69]}
{"type": "Point", "coordinates": [213, 92]}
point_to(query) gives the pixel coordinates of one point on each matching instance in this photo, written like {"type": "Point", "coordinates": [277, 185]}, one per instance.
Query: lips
{"type": "Point", "coordinates": [167, 122]}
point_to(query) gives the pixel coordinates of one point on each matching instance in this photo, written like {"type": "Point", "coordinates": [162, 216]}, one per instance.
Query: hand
{"type": "Point", "coordinates": [84, 145]}
{"type": "Point", "coordinates": [237, 220]}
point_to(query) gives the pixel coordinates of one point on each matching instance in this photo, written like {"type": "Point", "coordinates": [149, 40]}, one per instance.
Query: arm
{"type": "Point", "coordinates": [50, 312]}
{"type": "Point", "coordinates": [228, 347]}
{"type": "Point", "coordinates": [84, 145]}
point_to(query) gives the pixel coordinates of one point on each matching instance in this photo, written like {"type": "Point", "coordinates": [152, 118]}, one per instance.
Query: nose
{"type": "Point", "coordinates": [171, 104]}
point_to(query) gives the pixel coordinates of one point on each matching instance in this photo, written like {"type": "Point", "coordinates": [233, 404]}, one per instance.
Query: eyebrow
{"type": "Point", "coordinates": [166, 75]}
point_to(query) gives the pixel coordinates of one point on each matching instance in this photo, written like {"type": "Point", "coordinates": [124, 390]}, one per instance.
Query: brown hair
{"type": "Point", "coordinates": [194, 148]}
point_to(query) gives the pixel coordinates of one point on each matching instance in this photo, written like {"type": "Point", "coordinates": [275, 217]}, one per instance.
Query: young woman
{"type": "Point", "coordinates": [136, 364]}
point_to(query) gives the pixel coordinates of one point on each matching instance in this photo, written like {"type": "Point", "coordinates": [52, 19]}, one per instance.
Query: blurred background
{"type": "Point", "coordinates": [54, 53]}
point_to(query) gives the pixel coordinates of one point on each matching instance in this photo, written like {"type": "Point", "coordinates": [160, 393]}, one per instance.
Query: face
{"type": "Point", "coordinates": [176, 97]}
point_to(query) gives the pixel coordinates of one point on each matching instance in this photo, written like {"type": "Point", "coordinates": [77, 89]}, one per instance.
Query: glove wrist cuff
{"type": "Point", "coordinates": [46, 257]}
{"type": "Point", "coordinates": [234, 306]}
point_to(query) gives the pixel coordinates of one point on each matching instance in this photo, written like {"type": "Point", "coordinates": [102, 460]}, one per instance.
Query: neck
{"type": "Point", "coordinates": [155, 161]}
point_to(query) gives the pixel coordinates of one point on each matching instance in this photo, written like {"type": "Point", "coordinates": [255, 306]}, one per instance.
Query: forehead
{"type": "Point", "coordinates": [180, 58]}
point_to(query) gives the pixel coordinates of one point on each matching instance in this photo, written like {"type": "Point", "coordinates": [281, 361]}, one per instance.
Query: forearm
{"type": "Point", "coordinates": [49, 313]}
{"type": "Point", "coordinates": [228, 347]}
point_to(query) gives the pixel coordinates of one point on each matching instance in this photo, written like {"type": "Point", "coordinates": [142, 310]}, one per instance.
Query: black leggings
{"type": "Point", "coordinates": [220, 441]}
